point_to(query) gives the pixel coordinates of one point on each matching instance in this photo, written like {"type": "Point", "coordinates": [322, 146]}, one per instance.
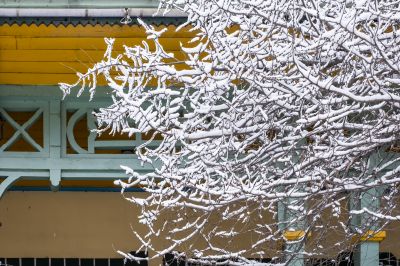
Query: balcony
{"type": "Point", "coordinates": [43, 137]}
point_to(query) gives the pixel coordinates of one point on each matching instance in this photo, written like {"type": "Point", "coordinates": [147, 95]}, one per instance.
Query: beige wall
{"type": "Point", "coordinates": [66, 224]}
{"type": "Point", "coordinates": [392, 241]}
{"type": "Point", "coordinates": [84, 224]}
{"type": "Point", "coordinates": [76, 224]}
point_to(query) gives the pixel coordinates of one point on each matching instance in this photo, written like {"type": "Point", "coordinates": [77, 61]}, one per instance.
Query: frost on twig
{"type": "Point", "coordinates": [276, 103]}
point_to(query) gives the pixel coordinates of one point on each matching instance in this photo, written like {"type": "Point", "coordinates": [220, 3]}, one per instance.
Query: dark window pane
{"type": "Point", "coordinates": [140, 254]}
{"type": "Point", "coordinates": [319, 262]}
{"type": "Point", "coordinates": [57, 262]}
{"type": "Point", "coordinates": [116, 262]}
{"type": "Point", "coordinates": [345, 259]}
{"type": "Point", "coordinates": [171, 260]}
{"type": "Point", "coordinates": [86, 262]}
{"type": "Point", "coordinates": [263, 260]}
{"type": "Point", "coordinates": [2, 261]}
{"type": "Point", "coordinates": [101, 262]}
{"type": "Point", "coordinates": [71, 262]}
{"type": "Point", "coordinates": [136, 263]}
{"type": "Point", "coordinates": [27, 262]}
{"type": "Point", "coordinates": [387, 259]}
{"type": "Point", "coordinates": [42, 262]}
{"type": "Point", "coordinates": [13, 261]}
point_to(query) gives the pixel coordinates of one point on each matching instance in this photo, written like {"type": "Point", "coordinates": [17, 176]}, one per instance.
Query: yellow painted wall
{"type": "Point", "coordinates": [47, 55]}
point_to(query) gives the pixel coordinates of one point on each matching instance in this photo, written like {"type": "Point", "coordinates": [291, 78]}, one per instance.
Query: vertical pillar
{"type": "Point", "coordinates": [55, 142]}
{"type": "Point", "coordinates": [292, 231]}
{"type": "Point", "coordinates": [293, 248]}
{"type": "Point", "coordinates": [367, 251]}
{"type": "Point", "coordinates": [292, 228]}
{"type": "Point", "coordinates": [367, 254]}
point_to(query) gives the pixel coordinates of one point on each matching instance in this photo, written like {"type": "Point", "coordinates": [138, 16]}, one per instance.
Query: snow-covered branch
{"type": "Point", "coordinates": [279, 106]}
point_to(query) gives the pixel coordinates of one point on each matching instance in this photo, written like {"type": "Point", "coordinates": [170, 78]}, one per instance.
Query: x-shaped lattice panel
{"type": "Point", "coordinates": [21, 130]}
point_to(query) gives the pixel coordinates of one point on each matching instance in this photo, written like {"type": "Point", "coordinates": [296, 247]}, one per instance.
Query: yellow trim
{"type": "Point", "coordinates": [294, 235]}
{"type": "Point", "coordinates": [373, 236]}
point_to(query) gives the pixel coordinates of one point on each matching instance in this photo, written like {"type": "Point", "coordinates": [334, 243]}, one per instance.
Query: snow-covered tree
{"type": "Point", "coordinates": [282, 118]}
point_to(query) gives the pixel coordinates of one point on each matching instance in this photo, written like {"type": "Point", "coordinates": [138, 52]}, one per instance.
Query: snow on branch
{"type": "Point", "coordinates": [279, 118]}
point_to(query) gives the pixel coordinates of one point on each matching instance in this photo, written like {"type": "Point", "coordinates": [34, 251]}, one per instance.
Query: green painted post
{"type": "Point", "coordinates": [55, 142]}
{"type": "Point", "coordinates": [297, 245]}
{"type": "Point", "coordinates": [293, 233]}
{"type": "Point", "coordinates": [367, 252]}
{"type": "Point", "coordinates": [298, 259]}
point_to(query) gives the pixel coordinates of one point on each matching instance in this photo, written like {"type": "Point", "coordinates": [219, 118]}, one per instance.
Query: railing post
{"type": "Point", "coordinates": [55, 142]}
{"type": "Point", "coordinates": [293, 232]}
{"type": "Point", "coordinates": [367, 251]}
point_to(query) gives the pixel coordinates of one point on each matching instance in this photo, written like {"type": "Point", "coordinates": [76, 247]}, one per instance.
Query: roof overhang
{"type": "Point", "coordinates": [88, 12]}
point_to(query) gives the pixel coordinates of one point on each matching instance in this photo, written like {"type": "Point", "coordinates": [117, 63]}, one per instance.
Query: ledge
{"type": "Point", "coordinates": [373, 236]}
{"type": "Point", "coordinates": [294, 235]}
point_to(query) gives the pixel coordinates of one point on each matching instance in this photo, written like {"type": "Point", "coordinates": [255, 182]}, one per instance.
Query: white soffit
{"type": "Point", "coordinates": [87, 12]}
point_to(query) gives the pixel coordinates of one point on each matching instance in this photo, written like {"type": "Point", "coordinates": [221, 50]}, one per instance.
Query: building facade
{"type": "Point", "coordinates": [61, 204]}
{"type": "Point", "coordinates": [58, 203]}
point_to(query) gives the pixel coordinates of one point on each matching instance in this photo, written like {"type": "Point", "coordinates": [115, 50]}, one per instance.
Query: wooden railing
{"type": "Point", "coordinates": [46, 138]}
